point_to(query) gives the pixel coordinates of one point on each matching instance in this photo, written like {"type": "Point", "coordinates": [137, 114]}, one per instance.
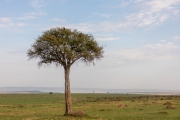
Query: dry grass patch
{"type": "Point", "coordinates": [80, 113]}
{"type": "Point", "coordinates": [122, 106]}
{"type": "Point", "coordinates": [167, 103]}
{"type": "Point", "coordinates": [170, 107]}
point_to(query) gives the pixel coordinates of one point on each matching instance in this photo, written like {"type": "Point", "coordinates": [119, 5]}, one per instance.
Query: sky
{"type": "Point", "coordinates": [141, 40]}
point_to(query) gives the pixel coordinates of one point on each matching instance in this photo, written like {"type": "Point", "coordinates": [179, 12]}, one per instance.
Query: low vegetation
{"type": "Point", "coordinates": [89, 107]}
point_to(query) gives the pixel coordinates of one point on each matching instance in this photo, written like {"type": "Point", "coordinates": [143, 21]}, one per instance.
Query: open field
{"type": "Point", "coordinates": [96, 107]}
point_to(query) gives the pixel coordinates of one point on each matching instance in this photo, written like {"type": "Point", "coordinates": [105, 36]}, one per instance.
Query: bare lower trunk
{"type": "Point", "coordinates": [68, 101]}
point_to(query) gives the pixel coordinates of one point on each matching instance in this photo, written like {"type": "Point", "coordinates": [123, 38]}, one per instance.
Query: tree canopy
{"type": "Point", "coordinates": [63, 46]}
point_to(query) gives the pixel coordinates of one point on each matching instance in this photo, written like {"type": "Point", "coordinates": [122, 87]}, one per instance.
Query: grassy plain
{"type": "Point", "coordinates": [96, 107]}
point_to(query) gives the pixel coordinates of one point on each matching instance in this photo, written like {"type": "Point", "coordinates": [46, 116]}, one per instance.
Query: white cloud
{"type": "Point", "coordinates": [176, 12]}
{"type": "Point", "coordinates": [5, 22]}
{"type": "Point", "coordinates": [20, 24]}
{"type": "Point", "coordinates": [153, 12]}
{"type": "Point", "coordinates": [27, 17]}
{"type": "Point", "coordinates": [137, 1]}
{"type": "Point", "coordinates": [108, 39]}
{"type": "Point", "coordinates": [105, 15]}
{"type": "Point", "coordinates": [150, 14]}
{"type": "Point", "coordinates": [91, 27]}
{"type": "Point", "coordinates": [108, 26]}
{"type": "Point", "coordinates": [163, 41]}
{"type": "Point", "coordinates": [58, 20]}
{"type": "Point", "coordinates": [84, 27]}
{"type": "Point", "coordinates": [124, 3]}
{"type": "Point", "coordinates": [157, 6]}
{"type": "Point", "coordinates": [165, 46]}
{"type": "Point", "coordinates": [37, 3]}
{"type": "Point", "coordinates": [176, 37]}
{"type": "Point", "coordinates": [32, 15]}
{"type": "Point", "coordinates": [150, 52]}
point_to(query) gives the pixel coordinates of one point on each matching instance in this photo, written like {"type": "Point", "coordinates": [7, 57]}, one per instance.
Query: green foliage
{"type": "Point", "coordinates": [63, 46]}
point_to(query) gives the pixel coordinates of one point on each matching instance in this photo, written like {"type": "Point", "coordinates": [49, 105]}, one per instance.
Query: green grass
{"type": "Point", "coordinates": [96, 107]}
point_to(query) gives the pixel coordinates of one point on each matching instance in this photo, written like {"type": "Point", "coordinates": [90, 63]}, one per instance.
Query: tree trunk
{"type": "Point", "coordinates": [68, 101]}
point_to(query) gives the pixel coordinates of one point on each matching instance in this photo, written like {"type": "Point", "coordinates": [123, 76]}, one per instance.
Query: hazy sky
{"type": "Point", "coordinates": [141, 39]}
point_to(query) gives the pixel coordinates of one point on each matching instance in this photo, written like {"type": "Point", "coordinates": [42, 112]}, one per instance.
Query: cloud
{"type": "Point", "coordinates": [89, 27]}
{"type": "Point", "coordinates": [12, 57]}
{"type": "Point", "coordinates": [143, 19]}
{"type": "Point", "coordinates": [58, 20]}
{"type": "Point", "coordinates": [163, 41]}
{"type": "Point", "coordinates": [105, 15]}
{"type": "Point", "coordinates": [108, 39]}
{"type": "Point", "coordinates": [5, 22]}
{"type": "Point", "coordinates": [137, 1]}
{"type": "Point", "coordinates": [37, 3]}
{"type": "Point", "coordinates": [176, 37]}
{"type": "Point", "coordinates": [164, 47]}
{"type": "Point", "coordinates": [20, 24]}
{"type": "Point", "coordinates": [27, 17]}
{"type": "Point", "coordinates": [150, 52]}
{"type": "Point", "coordinates": [157, 6]}
{"type": "Point", "coordinates": [32, 15]}
{"type": "Point", "coordinates": [153, 13]}
{"type": "Point", "coordinates": [124, 3]}
{"type": "Point", "coordinates": [85, 27]}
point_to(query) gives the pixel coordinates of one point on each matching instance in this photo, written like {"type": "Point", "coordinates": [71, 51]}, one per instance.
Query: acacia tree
{"type": "Point", "coordinates": [63, 47]}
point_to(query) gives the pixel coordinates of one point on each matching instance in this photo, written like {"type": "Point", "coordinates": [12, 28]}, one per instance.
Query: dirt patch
{"type": "Point", "coordinates": [6, 106]}
{"type": "Point", "coordinates": [122, 106]}
{"type": "Point", "coordinates": [170, 107]}
{"type": "Point", "coordinates": [21, 106]}
{"type": "Point", "coordinates": [105, 109]}
{"type": "Point", "coordinates": [79, 113]}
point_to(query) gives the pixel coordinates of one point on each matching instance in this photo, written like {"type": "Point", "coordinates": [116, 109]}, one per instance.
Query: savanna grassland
{"type": "Point", "coordinates": [89, 107]}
